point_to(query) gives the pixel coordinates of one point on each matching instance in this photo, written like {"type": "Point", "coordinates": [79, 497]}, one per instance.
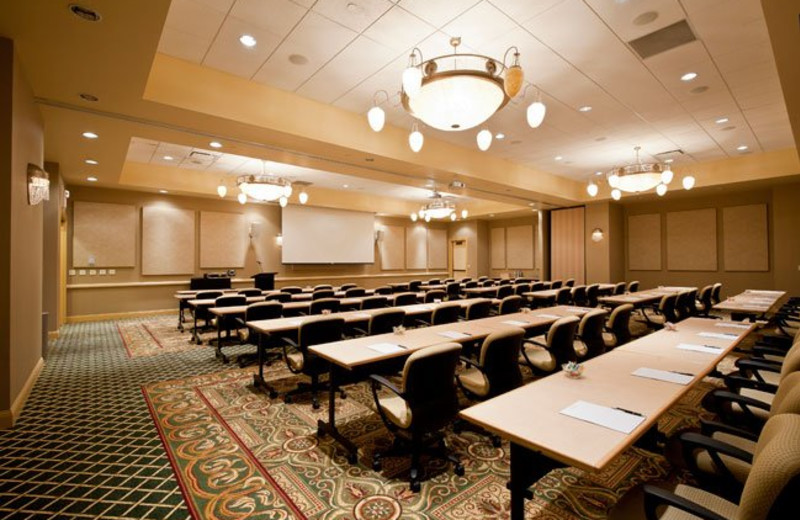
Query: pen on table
{"type": "Point", "coordinates": [713, 346]}
{"type": "Point", "coordinates": [402, 346]}
{"type": "Point", "coordinates": [628, 411]}
{"type": "Point", "coordinates": [682, 373]}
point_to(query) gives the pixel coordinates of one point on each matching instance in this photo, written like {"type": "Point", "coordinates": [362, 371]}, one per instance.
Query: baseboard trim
{"type": "Point", "coordinates": [9, 417]}
{"type": "Point", "coordinates": [53, 334]}
{"type": "Point", "coordinates": [82, 318]}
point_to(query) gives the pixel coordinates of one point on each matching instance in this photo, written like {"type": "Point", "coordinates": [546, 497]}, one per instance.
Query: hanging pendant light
{"type": "Point", "coordinates": [616, 194]}
{"type": "Point", "coordinates": [242, 197]}
{"type": "Point", "coordinates": [592, 189]}
{"type": "Point", "coordinates": [222, 190]}
{"type": "Point", "coordinates": [514, 75]}
{"type": "Point", "coordinates": [661, 190]}
{"type": "Point", "coordinates": [667, 175]}
{"type": "Point", "coordinates": [414, 217]}
{"type": "Point", "coordinates": [412, 76]}
{"type": "Point", "coordinates": [688, 182]}
{"type": "Point", "coordinates": [464, 213]}
{"type": "Point", "coordinates": [484, 139]}
{"type": "Point", "coordinates": [415, 139]}
{"type": "Point", "coordinates": [303, 197]}
{"type": "Point", "coordinates": [283, 201]}
{"type": "Point", "coordinates": [376, 116]}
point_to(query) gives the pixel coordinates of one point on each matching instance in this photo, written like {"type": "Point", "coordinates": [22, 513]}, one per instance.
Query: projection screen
{"type": "Point", "coordinates": [327, 236]}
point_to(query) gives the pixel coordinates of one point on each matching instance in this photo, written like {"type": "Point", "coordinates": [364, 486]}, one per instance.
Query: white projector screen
{"type": "Point", "coordinates": [327, 236]}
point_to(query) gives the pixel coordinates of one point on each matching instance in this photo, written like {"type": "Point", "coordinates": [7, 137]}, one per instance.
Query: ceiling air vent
{"type": "Point", "coordinates": [201, 158]}
{"type": "Point", "coordinates": [664, 39]}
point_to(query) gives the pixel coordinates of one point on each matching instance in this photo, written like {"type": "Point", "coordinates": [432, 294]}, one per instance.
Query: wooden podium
{"type": "Point", "coordinates": [264, 281]}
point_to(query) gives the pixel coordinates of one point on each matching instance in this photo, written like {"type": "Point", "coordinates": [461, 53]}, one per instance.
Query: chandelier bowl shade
{"type": "Point", "coordinates": [264, 187]}
{"type": "Point", "coordinates": [637, 182]}
{"type": "Point", "coordinates": [437, 208]}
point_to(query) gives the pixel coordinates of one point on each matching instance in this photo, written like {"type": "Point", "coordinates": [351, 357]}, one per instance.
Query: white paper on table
{"type": "Point", "coordinates": [362, 315]}
{"type": "Point", "coordinates": [705, 349]}
{"type": "Point", "coordinates": [754, 291]}
{"type": "Point", "coordinates": [452, 334]}
{"type": "Point", "coordinates": [718, 335]}
{"type": "Point", "coordinates": [296, 323]}
{"type": "Point", "coordinates": [556, 316]}
{"type": "Point", "coordinates": [426, 308]}
{"type": "Point", "coordinates": [731, 325]}
{"type": "Point", "coordinates": [516, 323]}
{"type": "Point", "coordinates": [612, 418]}
{"type": "Point", "coordinates": [663, 375]}
{"type": "Point", "coordinates": [386, 348]}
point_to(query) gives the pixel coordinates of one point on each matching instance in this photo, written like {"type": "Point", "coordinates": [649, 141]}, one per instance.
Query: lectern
{"type": "Point", "coordinates": [264, 281]}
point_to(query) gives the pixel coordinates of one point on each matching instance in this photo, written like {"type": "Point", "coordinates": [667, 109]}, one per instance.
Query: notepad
{"type": "Point", "coordinates": [516, 323]}
{"type": "Point", "coordinates": [296, 323]}
{"type": "Point", "coordinates": [705, 349]}
{"type": "Point", "coordinates": [555, 316]}
{"type": "Point", "coordinates": [663, 375]}
{"type": "Point", "coordinates": [718, 335]}
{"type": "Point", "coordinates": [386, 348]}
{"type": "Point", "coordinates": [452, 334]}
{"type": "Point", "coordinates": [730, 325]}
{"type": "Point", "coordinates": [608, 417]}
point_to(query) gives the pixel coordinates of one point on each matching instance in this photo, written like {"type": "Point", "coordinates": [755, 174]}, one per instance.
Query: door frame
{"type": "Point", "coordinates": [451, 256]}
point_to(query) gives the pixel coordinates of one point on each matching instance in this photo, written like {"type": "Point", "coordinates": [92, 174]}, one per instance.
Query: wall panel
{"type": "Point", "coordinates": [223, 240]}
{"type": "Point", "coordinates": [437, 248]}
{"type": "Point", "coordinates": [498, 254]}
{"type": "Point", "coordinates": [168, 240]}
{"type": "Point", "coordinates": [692, 240]}
{"type": "Point", "coordinates": [745, 238]}
{"type": "Point", "coordinates": [519, 247]}
{"type": "Point", "coordinates": [416, 247]}
{"type": "Point", "coordinates": [567, 245]}
{"type": "Point", "coordinates": [392, 247]}
{"type": "Point", "coordinates": [105, 233]}
{"type": "Point", "coordinates": [644, 242]}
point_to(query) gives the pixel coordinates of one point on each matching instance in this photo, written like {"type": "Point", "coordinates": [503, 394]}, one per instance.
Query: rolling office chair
{"type": "Point", "coordinates": [384, 290]}
{"type": "Point", "coordinates": [589, 338]}
{"type": "Point", "coordinates": [578, 296]}
{"type": "Point", "coordinates": [478, 310]}
{"type": "Point", "coordinates": [771, 491]}
{"type": "Point", "coordinates": [281, 297]}
{"type": "Point", "coordinates": [448, 280]}
{"type": "Point", "coordinates": [324, 304]}
{"type": "Point", "coordinates": [453, 290]}
{"type": "Point", "coordinates": [504, 281]}
{"type": "Point", "coordinates": [592, 295]}
{"type": "Point", "coordinates": [442, 314]}
{"type": "Point", "coordinates": [619, 288]}
{"type": "Point", "coordinates": [704, 302]}
{"type": "Point", "coordinates": [510, 305]}
{"type": "Point", "coordinates": [564, 296]}
{"type": "Point", "coordinates": [716, 293]}
{"type": "Point", "coordinates": [255, 312]}
{"type": "Point", "coordinates": [556, 284]}
{"type": "Point", "coordinates": [323, 287]}
{"type": "Point", "coordinates": [346, 286]}
{"type": "Point", "coordinates": [434, 281]}
{"type": "Point", "coordinates": [537, 286]}
{"type": "Point", "coordinates": [664, 313]}
{"type": "Point", "coordinates": [618, 330]}
{"type": "Point", "coordinates": [684, 307]}
{"type": "Point", "coordinates": [483, 278]}
{"type": "Point", "coordinates": [471, 284]}
{"type": "Point", "coordinates": [414, 285]}
{"type": "Point", "coordinates": [487, 283]}
{"type": "Point", "coordinates": [292, 289]}
{"type": "Point", "coordinates": [633, 286]}
{"type": "Point", "coordinates": [570, 282]}
{"type": "Point", "coordinates": [545, 358]}
{"type": "Point", "coordinates": [374, 302]}
{"type": "Point", "coordinates": [432, 296]}
{"type": "Point", "coordinates": [226, 322]}
{"type": "Point", "coordinates": [201, 313]}
{"type": "Point", "coordinates": [405, 298]}
{"type": "Point", "coordinates": [301, 361]}
{"type": "Point", "coordinates": [323, 293]}
{"type": "Point", "coordinates": [465, 279]}
{"type": "Point", "coordinates": [247, 293]}
{"type": "Point", "coordinates": [382, 322]}
{"type": "Point", "coordinates": [355, 292]}
{"type": "Point", "coordinates": [504, 290]}
{"type": "Point", "coordinates": [424, 403]}
{"type": "Point", "coordinates": [521, 288]}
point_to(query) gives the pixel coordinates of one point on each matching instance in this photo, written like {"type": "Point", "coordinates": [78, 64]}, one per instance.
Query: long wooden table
{"type": "Point", "coordinates": [643, 298]}
{"type": "Point", "coordinates": [542, 437]}
{"type": "Point", "coordinates": [752, 303]}
{"type": "Point", "coordinates": [355, 355]}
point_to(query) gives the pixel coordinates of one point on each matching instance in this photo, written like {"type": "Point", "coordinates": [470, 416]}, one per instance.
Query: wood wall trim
{"type": "Point", "coordinates": [9, 417]}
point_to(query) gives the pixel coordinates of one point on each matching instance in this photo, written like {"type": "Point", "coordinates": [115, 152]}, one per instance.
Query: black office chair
{"type": "Point", "coordinates": [382, 322]}
{"type": "Point", "coordinates": [226, 322]}
{"type": "Point", "coordinates": [556, 284]}
{"type": "Point", "coordinates": [618, 330]}
{"type": "Point", "coordinates": [504, 281]}
{"type": "Point", "coordinates": [716, 293]}
{"type": "Point", "coordinates": [255, 312]}
{"type": "Point", "coordinates": [564, 296]}
{"type": "Point", "coordinates": [592, 295]}
{"type": "Point", "coordinates": [487, 283]}
{"type": "Point", "coordinates": [483, 278]}
{"type": "Point", "coordinates": [521, 288]}
{"type": "Point", "coordinates": [323, 287]}
{"type": "Point", "coordinates": [405, 298]}
{"type": "Point", "coordinates": [346, 286]}
{"type": "Point", "coordinates": [414, 285]}
{"type": "Point", "coordinates": [201, 313]}
{"type": "Point", "coordinates": [292, 289]}
{"type": "Point", "coordinates": [704, 302]}
{"type": "Point", "coordinates": [384, 289]}
{"type": "Point", "coordinates": [281, 297]}
{"type": "Point", "coordinates": [355, 292]}
{"type": "Point", "coordinates": [633, 286]}
{"type": "Point", "coordinates": [374, 302]}
{"type": "Point", "coordinates": [424, 403]}
{"type": "Point", "coordinates": [504, 290]}
{"type": "Point", "coordinates": [619, 288]}
{"type": "Point", "coordinates": [589, 338]}
{"type": "Point", "coordinates": [323, 293]}
{"type": "Point", "coordinates": [249, 292]}
{"type": "Point", "coordinates": [434, 281]}
{"type": "Point", "coordinates": [301, 361]}
{"type": "Point", "coordinates": [442, 314]}
{"type": "Point", "coordinates": [570, 282]}
{"type": "Point", "coordinates": [453, 290]}
{"type": "Point", "coordinates": [579, 296]}
{"type": "Point", "coordinates": [471, 284]}
{"type": "Point", "coordinates": [465, 279]}
{"type": "Point", "coordinates": [478, 310]}
{"type": "Point", "coordinates": [324, 304]}
{"type": "Point", "coordinates": [510, 304]}
{"type": "Point", "coordinates": [432, 296]}
{"type": "Point", "coordinates": [537, 286]}
{"type": "Point", "coordinates": [448, 280]}
{"type": "Point", "coordinates": [684, 305]}
{"type": "Point", "coordinates": [544, 358]}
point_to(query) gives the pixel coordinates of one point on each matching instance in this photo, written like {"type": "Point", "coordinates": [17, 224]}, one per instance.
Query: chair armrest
{"type": "Point", "coordinates": [422, 323]}
{"type": "Point", "coordinates": [709, 428]}
{"type": "Point", "coordinates": [757, 364]}
{"type": "Point", "coordinates": [764, 350]}
{"type": "Point", "coordinates": [290, 343]}
{"type": "Point", "coordinates": [736, 382]}
{"type": "Point", "coordinates": [534, 342]}
{"type": "Point", "coordinates": [693, 442]}
{"type": "Point", "coordinates": [359, 331]}
{"type": "Point", "coordinates": [240, 322]}
{"type": "Point", "coordinates": [655, 497]}
{"type": "Point", "coordinates": [378, 381]}
{"type": "Point", "coordinates": [470, 362]}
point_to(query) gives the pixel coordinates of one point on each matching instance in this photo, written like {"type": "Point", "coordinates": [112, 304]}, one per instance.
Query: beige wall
{"type": "Point", "coordinates": [783, 221]}
{"type": "Point", "coordinates": [467, 230]}
{"type": "Point", "coordinates": [21, 142]}
{"type": "Point", "coordinates": [605, 260]}
{"type": "Point", "coordinates": [51, 248]}
{"type": "Point", "coordinates": [532, 221]}
{"type": "Point", "coordinates": [130, 291]}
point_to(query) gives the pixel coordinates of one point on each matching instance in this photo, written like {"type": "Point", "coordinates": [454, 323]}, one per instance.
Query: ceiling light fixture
{"type": "Point", "coordinates": [215, 144]}
{"type": "Point", "coordinates": [689, 76]}
{"type": "Point", "coordinates": [168, 158]}
{"type": "Point", "coordinates": [688, 182]}
{"type": "Point", "coordinates": [90, 135]}
{"type": "Point", "coordinates": [484, 139]}
{"type": "Point", "coordinates": [303, 197]}
{"type": "Point", "coordinates": [592, 189]}
{"type": "Point", "coordinates": [415, 139]}
{"type": "Point", "coordinates": [721, 120]}
{"type": "Point", "coordinates": [499, 135]}
{"type": "Point", "coordinates": [376, 116]}
{"type": "Point", "coordinates": [91, 179]}
{"type": "Point", "coordinates": [639, 177]}
{"type": "Point", "coordinates": [742, 148]}
{"type": "Point", "coordinates": [558, 157]}
{"type": "Point", "coordinates": [91, 161]}
{"type": "Point", "coordinates": [247, 40]}
{"type": "Point", "coordinates": [438, 208]}
{"type": "Point", "coordinates": [222, 190]}
{"type": "Point", "coordinates": [242, 197]}
{"type": "Point", "coordinates": [585, 108]}
{"type": "Point", "coordinates": [464, 213]}
{"type": "Point", "coordinates": [163, 191]}
{"type": "Point", "coordinates": [458, 91]}
{"type": "Point", "coordinates": [264, 187]}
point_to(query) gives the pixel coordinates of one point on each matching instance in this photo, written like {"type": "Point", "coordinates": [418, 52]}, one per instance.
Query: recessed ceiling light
{"type": "Point", "coordinates": [163, 191]}
{"type": "Point", "coordinates": [500, 135]}
{"type": "Point", "coordinates": [557, 157]}
{"type": "Point", "coordinates": [585, 108]}
{"type": "Point", "coordinates": [721, 120]}
{"type": "Point", "coordinates": [91, 161]}
{"type": "Point", "coordinates": [91, 179]}
{"type": "Point", "coordinates": [742, 147]}
{"type": "Point", "coordinates": [247, 40]}
{"type": "Point", "coordinates": [88, 97]}
{"type": "Point", "coordinates": [689, 76]}
{"type": "Point", "coordinates": [215, 144]}
{"type": "Point", "coordinates": [669, 161]}
{"type": "Point", "coordinates": [297, 59]}
{"type": "Point", "coordinates": [345, 185]}
{"type": "Point", "coordinates": [598, 173]}
{"type": "Point", "coordinates": [491, 214]}
{"type": "Point", "coordinates": [354, 7]}
{"type": "Point", "coordinates": [168, 158]}
{"type": "Point", "coordinates": [646, 18]}
{"type": "Point", "coordinates": [90, 135]}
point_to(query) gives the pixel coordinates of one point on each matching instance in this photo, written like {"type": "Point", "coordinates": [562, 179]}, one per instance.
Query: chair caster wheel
{"type": "Point", "coordinates": [377, 465]}
{"type": "Point", "coordinates": [415, 487]}
{"type": "Point", "coordinates": [459, 470]}
{"type": "Point", "coordinates": [287, 400]}
{"type": "Point", "coordinates": [315, 405]}
{"type": "Point", "coordinates": [496, 442]}
{"type": "Point", "coordinates": [352, 459]}
{"type": "Point", "coordinates": [273, 394]}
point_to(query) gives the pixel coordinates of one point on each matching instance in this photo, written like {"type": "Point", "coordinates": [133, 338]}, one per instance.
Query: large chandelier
{"type": "Point", "coordinates": [456, 92]}
{"type": "Point", "coordinates": [437, 209]}
{"type": "Point", "coordinates": [639, 177]}
{"type": "Point", "coordinates": [265, 188]}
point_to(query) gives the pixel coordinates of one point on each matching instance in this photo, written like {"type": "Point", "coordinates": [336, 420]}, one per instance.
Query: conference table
{"type": "Point", "coordinates": [589, 421]}
{"type": "Point", "coordinates": [643, 298]}
{"type": "Point", "coordinates": [188, 294]}
{"type": "Point", "coordinates": [354, 357]}
{"type": "Point", "coordinates": [752, 303]}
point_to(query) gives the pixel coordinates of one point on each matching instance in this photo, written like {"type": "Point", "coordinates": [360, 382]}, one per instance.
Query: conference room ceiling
{"type": "Point", "coordinates": [175, 72]}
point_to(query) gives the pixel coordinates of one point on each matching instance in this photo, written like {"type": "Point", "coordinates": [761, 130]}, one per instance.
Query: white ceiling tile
{"type": "Point", "coordinates": [437, 12]}
{"type": "Point", "coordinates": [193, 17]}
{"type": "Point", "coordinates": [522, 11]}
{"type": "Point", "coordinates": [228, 54]}
{"type": "Point", "coordinates": [621, 16]}
{"type": "Point", "coordinates": [183, 45]}
{"type": "Point", "coordinates": [480, 24]}
{"type": "Point", "coordinates": [317, 39]}
{"type": "Point", "coordinates": [223, 6]}
{"type": "Point", "coordinates": [276, 16]}
{"type": "Point", "coordinates": [353, 14]}
{"type": "Point", "coordinates": [399, 29]}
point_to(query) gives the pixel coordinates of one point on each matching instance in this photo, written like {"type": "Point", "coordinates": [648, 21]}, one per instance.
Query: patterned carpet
{"type": "Point", "coordinates": [86, 446]}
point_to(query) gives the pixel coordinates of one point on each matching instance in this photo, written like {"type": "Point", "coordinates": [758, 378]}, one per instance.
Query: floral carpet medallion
{"type": "Point", "coordinates": [239, 454]}
{"type": "Point", "coordinates": [155, 335]}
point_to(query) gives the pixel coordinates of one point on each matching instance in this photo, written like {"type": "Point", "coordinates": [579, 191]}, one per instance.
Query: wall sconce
{"type": "Point", "coordinates": [279, 240]}
{"type": "Point", "coordinates": [38, 185]}
{"type": "Point", "coordinates": [597, 235]}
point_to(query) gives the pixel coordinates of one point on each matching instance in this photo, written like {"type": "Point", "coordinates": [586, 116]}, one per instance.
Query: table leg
{"type": "Point", "coordinates": [527, 467]}
{"type": "Point", "coordinates": [219, 340]}
{"type": "Point", "coordinates": [258, 378]}
{"type": "Point", "coordinates": [195, 337]}
{"type": "Point", "coordinates": [329, 428]}
{"type": "Point", "coordinates": [181, 308]}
